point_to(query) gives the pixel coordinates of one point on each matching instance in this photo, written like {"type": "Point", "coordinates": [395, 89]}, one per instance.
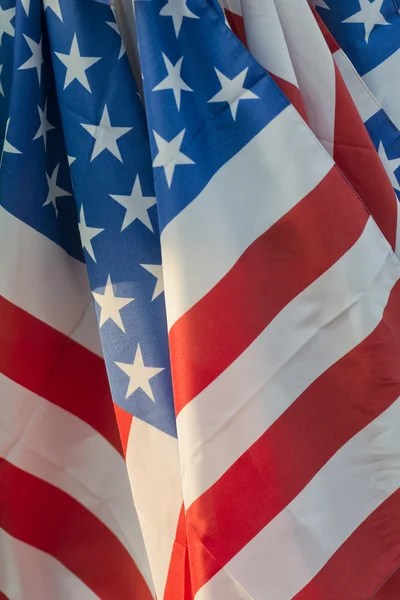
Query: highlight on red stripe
{"type": "Point", "coordinates": [274, 470]}
{"type": "Point", "coordinates": [178, 586]}
{"type": "Point", "coordinates": [46, 518]}
{"type": "Point", "coordinates": [56, 368]}
{"type": "Point", "coordinates": [279, 265]}
{"type": "Point", "coordinates": [364, 561]}
{"type": "Point", "coordinates": [124, 422]}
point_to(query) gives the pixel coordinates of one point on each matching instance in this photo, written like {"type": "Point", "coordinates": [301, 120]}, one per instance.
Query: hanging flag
{"type": "Point", "coordinates": [366, 43]}
{"type": "Point", "coordinates": [282, 308]}
{"type": "Point", "coordinates": [106, 136]}
{"type": "Point", "coordinates": [68, 527]}
{"type": "Point", "coordinates": [369, 34]}
{"type": "Point", "coordinates": [288, 42]}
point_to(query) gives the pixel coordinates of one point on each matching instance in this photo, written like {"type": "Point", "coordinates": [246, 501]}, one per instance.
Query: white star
{"type": "Point", "coordinates": [173, 80]}
{"type": "Point", "coordinates": [54, 191]}
{"type": "Point", "coordinates": [71, 159]}
{"type": "Point", "coordinates": [45, 126]}
{"type": "Point", "coordinates": [54, 5]}
{"type": "Point", "coordinates": [370, 15]}
{"type": "Point", "coordinates": [106, 136]}
{"type": "Point", "coordinates": [110, 305]}
{"type": "Point", "coordinates": [136, 206]}
{"type": "Point", "coordinates": [390, 166]}
{"type": "Point", "coordinates": [6, 15]}
{"type": "Point", "coordinates": [87, 234]}
{"type": "Point", "coordinates": [1, 86]}
{"type": "Point", "coordinates": [169, 155]}
{"type": "Point", "coordinates": [232, 91]}
{"type": "Point", "coordinates": [157, 271]}
{"type": "Point", "coordinates": [320, 3]}
{"type": "Point", "coordinates": [7, 147]}
{"type": "Point", "coordinates": [26, 4]}
{"type": "Point", "coordinates": [76, 65]}
{"type": "Point", "coordinates": [114, 26]}
{"type": "Point", "coordinates": [139, 375]}
{"type": "Point", "coordinates": [177, 9]}
{"type": "Point", "coordinates": [36, 60]}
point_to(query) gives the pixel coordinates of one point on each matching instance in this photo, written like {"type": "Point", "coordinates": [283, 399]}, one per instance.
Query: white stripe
{"type": "Point", "coordinates": [384, 83]}
{"type": "Point", "coordinates": [313, 66]}
{"type": "Point", "coordinates": [41, 278]}
{"type": "Point", "coordinates": [58, 447]}
{"type": "Point", "coordinates": [27, 573]}
{"type": "Point", "coordinates": [267, 178]}
{"type": "Point", "coordinates": [312, 332]}
{"type": "Point", "coordinates": [266, 40]}
{"type": "Point", "coordinates": [365, 102]}
{"type": "Point", "coordinates": [292, 549]}
{"type": "Point", "coordinates": [153, 466]}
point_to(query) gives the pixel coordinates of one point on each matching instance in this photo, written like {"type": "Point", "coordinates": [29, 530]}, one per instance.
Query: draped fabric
{"type": "Point", "coordinates": [199, 324]}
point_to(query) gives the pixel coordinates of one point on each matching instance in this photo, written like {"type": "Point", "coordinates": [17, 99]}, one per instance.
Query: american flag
{"type": "Point", "coordinates": [68, 525]}
{"type": "Point", "coordinates": [282, 414]}
{"type": "Point", "coordinates": [269, 467]}
{"type": "Point", "coordinates": [324, 86]}
{"type": "Point", "coordinates": [369, 34]}
{"type": "Point", "coordinates": [366, 51]}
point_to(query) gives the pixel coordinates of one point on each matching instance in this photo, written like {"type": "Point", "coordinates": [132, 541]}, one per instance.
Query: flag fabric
{"type": "Point", "coordinates": [233, 432]}
{"type": "Point", "coordinates": [368, 60]}
{"type": "Point", "coordinates": [68, 527]}
{"type": "Point", "coordinates": [298, 55]}
{"type": "Point", "coordinates": [263, 244]}
{"type": "Point", "coordinates": [105, 133]}
{"type": "Point", "coordinates": [369, 34]}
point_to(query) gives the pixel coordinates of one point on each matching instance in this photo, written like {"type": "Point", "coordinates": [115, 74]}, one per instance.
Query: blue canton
{"type": "Point", "coordinates": [192, 38]}
{"type": "Point", "coordinates": [365, 51]}
{"type": "Point", "coordinates": [34, 148]}
{"type": "Point", "coordinates": [97, 163]}
{"type": "Point", "coordinates": [7, 38]}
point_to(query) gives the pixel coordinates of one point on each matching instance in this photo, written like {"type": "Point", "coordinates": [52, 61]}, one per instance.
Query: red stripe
{"type": "Point", "coordinates": [124, 422]}
{"type": "Point", "coordinates": [3, 596]}
{"type": "Point", "coordinates": [390, 590]}
{"type": "Point", "coordinates": [364, 561]}
{"type": "Point", "coordinates": [44, 517]}
{"type": "Point", "coordinates": [292, 93]}
{"type": "Point", "coordinates": [355, 155]}
{"type": "Point", "coordinates": [237, 25]}
{"type": "Point", "coordinates": [266, 478]}
{"type": "Point", "coordinates": [56, 368]}
{"type": "Point", "coordinates": [280, 264]}
{"type": "Point", "coordinates": [178, 586]}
